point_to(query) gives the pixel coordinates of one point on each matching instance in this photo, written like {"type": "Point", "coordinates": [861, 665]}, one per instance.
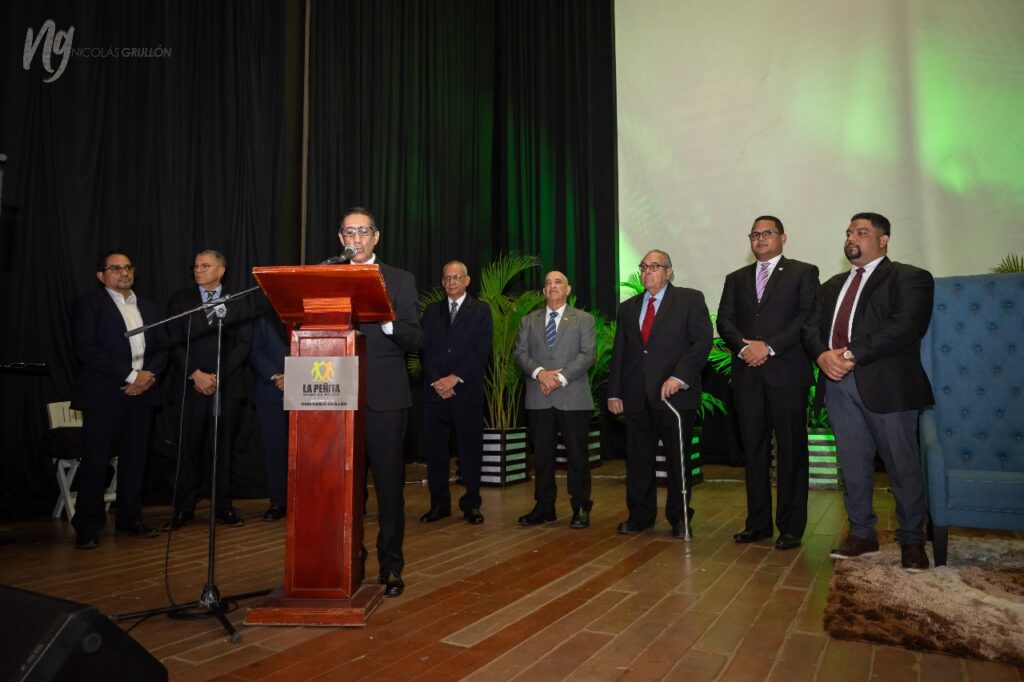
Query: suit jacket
{"type": "Point", "coordinates": [778, 320]}
{"type": "Point", "coordinates": [202, 354]}
{"type": "Point", "coordinates": [573, 351]}
{"type": "Point", "coordinates": [386, 375]}
{"type": "Point", "coordinates": [267, 359]}
{"type": "Point", "coordinates": [460, 348]}
{"type": "Point", "coordinates": [105, 354]}
{"type": "Point", "coordinates": [678, 347]}
{"type": "Point", "coordinates": [892, 314]}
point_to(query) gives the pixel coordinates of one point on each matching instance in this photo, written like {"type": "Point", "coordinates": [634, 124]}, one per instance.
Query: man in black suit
{"type": "Point", "coordinates": [266, 359]}
{"type": "Point", "coordinates": [555, 350]}
{"type": "Point", "coordinates": [456, 345]}
{"type": "Point", "coordinates": [866, 338]}
{"type": "Point", "coordinates": [760, 317]}
{"type": "Point", "coordinates": [195, 336]}
{"type": "Point", "coordinates": [388, 396]}
{"type": "Point", "coordinates": [662, 339]}
{"type": "Point", "coordinates": [115, 391]}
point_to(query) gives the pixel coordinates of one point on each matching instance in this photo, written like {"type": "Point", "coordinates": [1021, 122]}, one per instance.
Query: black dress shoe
{"type": "Point", "coordinates": [631, 527]}
{"type": "Point", "coordinates": [86, 539]}
{"type": "Point", "coordinates": [435, 514]}
{"type": "Point", "coordinates": [393, 584]}
{"type": "Point", "coordinates": [275, 513]}
{"type": "Point", "coordinates": [179, 519]}
{"type": "Point", "coordinates": [535, 518]}
{"type": "Point", "coordinates": [679, 531]}
{"type": "Point", "coordinates": [229, 518]}
{"type": "Point", "coordinates": [580, 519]}
{"type": "Point", "coordinates": [137, 530]}
{"type": "Point", "coordinates": [746, 535]}
{"type": "Point", "coordinates": [787, 541]}
{"type": "Point", "coordinates": [474, 516]}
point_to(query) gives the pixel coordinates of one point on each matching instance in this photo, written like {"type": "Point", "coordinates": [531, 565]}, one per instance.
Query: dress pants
{"type": "Point", "coordinates": [197, 449]}
{"type": "Point", "coordinates": [859, 434]}
{"type": "Point", "coordinates": [643, 430]}
{"type": "Point", "coordinates": [763, 409]}
{"type": "Point", "coordinates": [573, 425]}
{"type": "Point", "coordinates": [467, 421]}
{"type": "Point", "coordinates": [385, 436]}
{"type": "Point", "coordinates": [273, 425]}
{"type": "Point", "coordinates": [122, 431]}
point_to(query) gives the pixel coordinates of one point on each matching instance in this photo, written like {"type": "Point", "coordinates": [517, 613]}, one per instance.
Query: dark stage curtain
{"type": "Point", "coordinates": [470, 129]}
{"type": "Point", "coordinates": [160, 156]}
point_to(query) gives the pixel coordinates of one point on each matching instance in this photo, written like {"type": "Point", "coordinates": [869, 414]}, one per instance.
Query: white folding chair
{"type": "Point", "coordinates": [63, 417]}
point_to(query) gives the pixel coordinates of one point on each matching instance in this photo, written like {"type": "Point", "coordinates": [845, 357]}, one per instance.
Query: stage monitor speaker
{"type": "Point", "coordinates": [45, 638]}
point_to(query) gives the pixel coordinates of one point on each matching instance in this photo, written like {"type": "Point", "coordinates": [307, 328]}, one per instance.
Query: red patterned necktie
{"type": "Point", "coordinates": [841, 328]}
{"type": "Point", "coordinates": [648, 324]}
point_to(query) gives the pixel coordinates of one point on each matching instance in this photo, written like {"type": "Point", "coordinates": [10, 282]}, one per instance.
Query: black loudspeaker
{"type": "Point", "coordinates": [44, 638]}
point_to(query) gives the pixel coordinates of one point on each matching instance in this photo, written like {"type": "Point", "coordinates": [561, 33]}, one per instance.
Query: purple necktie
{"type": "Point", "coordinates": [762, 280]}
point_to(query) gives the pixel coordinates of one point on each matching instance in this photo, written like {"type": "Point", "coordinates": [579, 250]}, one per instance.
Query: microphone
{"type": "Point", "coordinates": [348, 254]}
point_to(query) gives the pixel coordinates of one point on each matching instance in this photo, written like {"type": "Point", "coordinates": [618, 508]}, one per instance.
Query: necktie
{"type": "Point", "coordinates": [549, 330]}
{"type": "Point", "coordinates": [451, 313]}
{"type": "Point", "coordinates": [841, 328]}
{"type": "Point", "coordinates": [211, 315]}
{"type": "Point", "coordinates": [648, 324]}
{"type": "Point", "coordinates": [762, 281]}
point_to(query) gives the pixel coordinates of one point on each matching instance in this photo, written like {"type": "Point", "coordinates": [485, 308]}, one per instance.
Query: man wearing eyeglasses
{"type": "Point", "coordinates": [196, 380]}
{"type": "Point", "coordinates": [456, 345]}
{"type": "Point", "coordinates": [116, 392]}
{"type": "Point", "coordinates": [761, 315]}
{"type": "Point", "coordinates": [388, 396]}
{"type": "Point", "coordinates": [662, 339]}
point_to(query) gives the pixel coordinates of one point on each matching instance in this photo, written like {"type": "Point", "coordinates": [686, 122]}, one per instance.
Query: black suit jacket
{"type": "Point", "coordinates": [387, 378]}
{"type": "Point", "coordinates": [678, 347]}
{"type": "Point", "coordinates": [892, 314]}
{"type": "Point", "coordinates": [267, 359]}
{"type": "Point", "coordinates": [460, 348]}
{"type": "Point", "coordinates": [105, 354]}
{"type": "Point", "coordinates": [778, 320]}
{"type": "Point", "coordinates": [235, 344]}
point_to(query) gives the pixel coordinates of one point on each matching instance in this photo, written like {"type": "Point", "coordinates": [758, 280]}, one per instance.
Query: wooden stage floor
{"type": "Point", "coordinates": [497, 602]}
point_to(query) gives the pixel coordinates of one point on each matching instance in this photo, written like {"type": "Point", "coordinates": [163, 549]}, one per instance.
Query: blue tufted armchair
{"type": "Point", "coordinates": [972, 440]}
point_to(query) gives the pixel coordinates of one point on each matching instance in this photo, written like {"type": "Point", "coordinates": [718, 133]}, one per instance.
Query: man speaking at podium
{"type": "Point", "coordinates": [387, 392]}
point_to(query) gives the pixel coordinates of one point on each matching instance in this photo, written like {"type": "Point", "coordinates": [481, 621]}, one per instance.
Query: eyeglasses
{"type": "Point", "coordinates": [451, 278]}
{"type": "Point", "coordinates": [202, 267]}
{"type": "Point", "coordinates": [764, 234]}
{"type": "Point", "coordinates": [362, 231]}
{"type": "Point", "coordinates": [118, 269]}
{"type": "Point", "coordinates": [651, 267]}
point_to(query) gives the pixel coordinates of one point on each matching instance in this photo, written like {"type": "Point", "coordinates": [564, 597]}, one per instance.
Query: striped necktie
{"type": "Point", "coordinates": [451, 313]}
{"type": "Point", "coordinates": [762, 280]}
{"type": "Point", "coordinates": [211, 314]}
{"type": "Point", "coordinates": [549, 330]}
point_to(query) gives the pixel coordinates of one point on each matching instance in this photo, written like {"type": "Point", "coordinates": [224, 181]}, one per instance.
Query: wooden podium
{"type": "Point", "coordinates": [324, 566]}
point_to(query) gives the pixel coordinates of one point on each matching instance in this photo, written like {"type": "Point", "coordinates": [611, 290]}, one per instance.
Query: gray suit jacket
{"type": "Point", "coordinates": [573, 352]}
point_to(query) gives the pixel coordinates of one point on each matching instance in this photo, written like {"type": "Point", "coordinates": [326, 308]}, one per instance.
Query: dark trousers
{"type": "Point", "coordinates": [197, 449]}
{"type": "Point", "coordinates": [859, 434]}
{"type": "Point", "coordinates": [440, 419]}
{"type": "Point", "coordinates": [385, 436]}
{"type": "Point", "coordinates": [573, 425]}
{"type": "Point", "coordinates": [124, 432]}
{"type": "Point", "coordinates": [761, 410]}
{"type": "Point", "coordinates": [273, 424]}
{"type": "Point", "coordinates": [643, 429]}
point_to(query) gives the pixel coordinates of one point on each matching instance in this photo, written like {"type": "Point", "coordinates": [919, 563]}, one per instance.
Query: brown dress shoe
{"type": "Point", "coordinates": [914, 558]}
{"type": "Point", "coordinates": [854, 547]}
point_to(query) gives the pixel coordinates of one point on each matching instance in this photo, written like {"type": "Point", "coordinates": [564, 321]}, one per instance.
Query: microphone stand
{"type": "Point", "coordinates": [210, 602]}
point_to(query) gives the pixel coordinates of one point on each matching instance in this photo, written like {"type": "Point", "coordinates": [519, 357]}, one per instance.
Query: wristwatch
{"type": "Point", "coordinates": [848, 355]}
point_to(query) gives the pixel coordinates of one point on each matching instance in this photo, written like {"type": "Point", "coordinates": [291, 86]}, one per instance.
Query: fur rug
{"type": "Point", "coordinates": [974, 607]}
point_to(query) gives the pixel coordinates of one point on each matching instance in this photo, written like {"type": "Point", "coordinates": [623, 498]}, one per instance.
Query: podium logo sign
{"type": "Point", "coordinates": [312, 383]}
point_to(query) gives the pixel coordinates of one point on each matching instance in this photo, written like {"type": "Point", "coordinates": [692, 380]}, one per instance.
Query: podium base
{"type": "Point", "coordinates": [276, 609]}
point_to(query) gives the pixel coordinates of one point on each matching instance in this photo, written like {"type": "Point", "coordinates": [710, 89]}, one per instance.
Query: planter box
{"type": "Point", "coordinates": [593, 447]}
{"type": "Point", "coordinates": [824, 472]}
{"type": "Point", "coordinates": [504, 458]}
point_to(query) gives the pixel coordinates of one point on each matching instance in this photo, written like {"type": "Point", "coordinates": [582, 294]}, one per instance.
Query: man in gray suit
{"type": "Point", "coordinates": [555, 350]}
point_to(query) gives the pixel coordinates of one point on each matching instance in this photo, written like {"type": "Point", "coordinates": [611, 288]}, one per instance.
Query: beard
{"type": "Point", "coordinates": [852, 252]}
